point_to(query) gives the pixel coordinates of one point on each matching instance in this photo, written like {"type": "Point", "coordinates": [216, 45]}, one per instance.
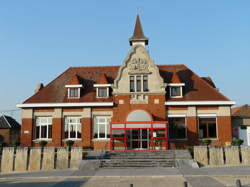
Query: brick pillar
{"type": "Point", "coordinates": [224, 127]}
{"type": "Point", "coordinates": [192, 130]}
{"type": "Point", "coordinates": [27, 132]}
{"type": "Point", "coordinates": [57, 131]}
{"type": "Point", "coordinates": [86, 131]}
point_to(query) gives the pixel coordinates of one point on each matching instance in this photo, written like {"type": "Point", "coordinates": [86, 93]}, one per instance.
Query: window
{"type": "Point", "coordinates": [74, 92]}
{"type": "Point", "coordinates": [177, 128]}
{"type": "Point", "coordinates": [102, 92]}
{"type": "Point", "coordinates": [101, 127]}
{"type": "Point", "coordinates": [43, 127]}
{"type": "Point", "coordinates": [132, 83]}
{"type": "Point", "coordinates": [207, 128]}
{"type": "Point", "coordinates": [72, 128]}
{"type": "Point", "coordinates": [145, 83]}
{"type": "Point", "coordinates": [138, 83]}
{"type": "Point", "coordinates": [175, 91]}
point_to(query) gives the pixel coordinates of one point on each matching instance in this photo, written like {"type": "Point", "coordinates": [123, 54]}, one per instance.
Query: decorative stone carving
{"type": "Point", "coordinates": [138, 65]}
{"type": "Point", "coordinates": [138, 62]}
{"type": "Point", "coordinates": [138, 99]}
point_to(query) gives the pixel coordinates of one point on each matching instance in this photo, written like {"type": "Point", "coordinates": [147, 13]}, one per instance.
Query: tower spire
{"type": "Point", "coordinates": [138, 36]}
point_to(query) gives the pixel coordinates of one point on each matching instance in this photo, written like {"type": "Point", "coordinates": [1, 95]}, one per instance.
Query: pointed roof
{"type": "Point", "coordinates": [7, 122]}
{"type": "Point", "coordinates": [138, 33]}
{"type": "Point", "coordinates": [74, 80]}
{"type": "Point", "coordinates": [175, 78]}
{"type": "Point", "coordinates": [102, 79]}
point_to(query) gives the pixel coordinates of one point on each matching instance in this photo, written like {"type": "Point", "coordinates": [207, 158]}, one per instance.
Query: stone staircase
{"type": "Point", "coordinates": [138, 159]}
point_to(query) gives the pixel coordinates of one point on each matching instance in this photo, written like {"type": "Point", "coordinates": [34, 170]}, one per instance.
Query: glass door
{"type": "Point", "coordinates": [139, 139]}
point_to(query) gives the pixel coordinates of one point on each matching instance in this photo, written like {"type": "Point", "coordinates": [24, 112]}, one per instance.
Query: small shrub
{"type": "Point", "coordinates": [69, 143]}
{"type": "Point", "coordinates": [43, 143]}
{"type": "Point", "coordinates": [2, 144]}
{"type": "Point", "coordinates": [15, 144]}
{"type": "Point", "coordinates": [237, 142]}
{"type": "Point", "coordinates": [87, 148]}
{"type": "Point", "coordinates": [206, 142]}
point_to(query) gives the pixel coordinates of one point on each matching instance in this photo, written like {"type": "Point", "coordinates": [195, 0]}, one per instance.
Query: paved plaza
{"type": "Point", "coordinates": [139, 177]}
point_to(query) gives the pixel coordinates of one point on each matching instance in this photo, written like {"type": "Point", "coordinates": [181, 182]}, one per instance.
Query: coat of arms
{"type": "Point", "coordinates": [138, 65]}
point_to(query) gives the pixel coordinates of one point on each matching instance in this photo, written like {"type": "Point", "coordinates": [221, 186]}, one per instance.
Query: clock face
{"type": "Point", "coordinates": [138, 65]}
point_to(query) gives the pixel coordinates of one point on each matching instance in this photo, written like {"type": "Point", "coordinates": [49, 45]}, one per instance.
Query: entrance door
{"type": "Point", "coordinates": [139, 139]}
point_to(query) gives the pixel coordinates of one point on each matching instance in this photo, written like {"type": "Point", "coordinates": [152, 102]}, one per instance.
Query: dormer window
{"type": "Point", "coordinates": [176, 90]}
{"type": "Point", "coordinates": [102, 87]}
{"type": "Point", "coordinates": [74, 91]}
{"type": "Point", "coordinates": [102, 90]}
{"type": "Point", "coordinates": [176, 86]}
{"type": "Point", "coordinates": [74, 87]}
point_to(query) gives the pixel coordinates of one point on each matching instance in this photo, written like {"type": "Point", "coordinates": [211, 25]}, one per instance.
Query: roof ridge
{"type": "Point", "coordinates": [7, 121]}
{"type": "Point", "coordinates": [73, 67]}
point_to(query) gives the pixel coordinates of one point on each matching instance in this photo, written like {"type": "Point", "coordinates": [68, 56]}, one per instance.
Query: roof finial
{"type": "Point", "coordinates": [138, 11]}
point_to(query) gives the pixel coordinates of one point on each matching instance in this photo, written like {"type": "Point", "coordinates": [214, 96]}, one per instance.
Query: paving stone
{"type": "Point", "coordinates": [21, 159]}
{"type": "Point", "coordinates": [245, 153]}
{"type": "Point", "coordinates": [35, 159]}
{"type": "Point", "coordinates": [216, 156]}
{"type": "Point", "coordinates": [201, 155]}
{"type": "Point", "coordinates": [48, 162]}
{"type": "Point", "coordinates": [76, 157]}
{"type": "Point", "coordinates": [232, 155]}
{"type": "Point", "coordinates": [7, 159]}
{"type": "Point", "coordinates": [62, 158]}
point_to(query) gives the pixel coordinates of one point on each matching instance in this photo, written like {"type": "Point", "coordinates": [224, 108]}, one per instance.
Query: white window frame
{"type": "Point", "coordinates": [77, 124]}
{"type": "Point", "coordinates": [47, 123]}
{"type": "Point", "coordinates": [97, 92]}
{"type": "Point", "coordinates": [78, 93]}
{"type": "Point", "coordinates": [141, 82]}
{"type": "Point", "coordinates": [208, 116]}
{"type": "Point", "coordinates": [181, 92]}
{"type": "Point", "coordinates": [179, 116]}
{"type": "Point", "coordinates": [106, 123]}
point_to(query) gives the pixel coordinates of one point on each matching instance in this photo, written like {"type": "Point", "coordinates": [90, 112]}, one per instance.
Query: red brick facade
{"type": "Point", "coordinates": [163, 91]}
{"type": "Point", "coordinates": [159, 112]}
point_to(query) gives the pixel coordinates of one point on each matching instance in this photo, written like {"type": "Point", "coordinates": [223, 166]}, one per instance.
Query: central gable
{"type": "Point", "coordinates": [138, 62]}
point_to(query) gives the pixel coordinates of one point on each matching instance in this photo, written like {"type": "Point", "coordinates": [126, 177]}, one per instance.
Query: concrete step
{"type": "Point", "coordinates": [124, 159]}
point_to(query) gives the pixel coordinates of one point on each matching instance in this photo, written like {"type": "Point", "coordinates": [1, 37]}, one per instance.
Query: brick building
{"type": "Point", "coordinates": [9, 130]}
{"type": "Point", "coordinates": [241, 123]}
{"type": "Point", "coordinates": [135, 106]}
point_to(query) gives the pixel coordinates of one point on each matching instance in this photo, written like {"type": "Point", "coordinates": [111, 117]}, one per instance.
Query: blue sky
{"type": "Point", "coordinates": [41, 39]}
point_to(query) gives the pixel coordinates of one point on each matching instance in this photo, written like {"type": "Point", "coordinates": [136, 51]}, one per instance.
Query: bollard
{"type": "Point", "coordinates": [185, 184]}
{"type": "Point", "coordinates": [238, 183]}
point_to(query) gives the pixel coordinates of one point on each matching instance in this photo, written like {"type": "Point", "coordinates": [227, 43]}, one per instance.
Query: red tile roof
{"type": "Point", "coordinates": [74, 80]}
{"type": "Point", "coordinates": [241, 111]}
{"type": "Point", "coordinates": [195, 89]}
{"type": "Point", "coordinates": [102, 79]}
{"type": "Point", "coordinates": [209, 81]}
{"type": "Point", "coordinates": [175, 78]}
